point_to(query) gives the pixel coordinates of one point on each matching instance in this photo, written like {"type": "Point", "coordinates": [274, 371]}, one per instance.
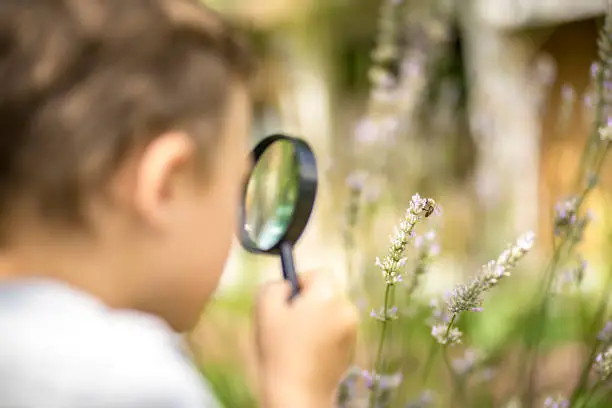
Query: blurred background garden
{"type": "Point", "coordinates": [498, 111]}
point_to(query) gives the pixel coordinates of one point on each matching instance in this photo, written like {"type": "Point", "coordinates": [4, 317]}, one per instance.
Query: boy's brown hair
{"type": "Point", "coordinates": [84, 83]}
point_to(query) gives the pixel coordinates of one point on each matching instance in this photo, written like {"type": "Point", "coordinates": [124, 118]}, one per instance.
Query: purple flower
{"type": "Point", "coordinates": [348, 386]}
{"type": "Point", "coordinates": [411, 67]}
{"type": "Point", "coordinates": [368, 377]}
{"type": "Point", "coordinates": [371, 193]}
{"type": "Point", "coordinates": [426, 399]}
{"type": "Point", "coordinates": [565, 214]}
{"type": "Point", "coordinates": [391, 314]}
{"type": "Point", "coordinates": [605, 335]}
{"type": "Point", "coordinates": [382, 381]}
{"type": "Point", "coordinates": [357, 180]}
{"type": "Point", "coordinates": [568, 94]}
{"type": "Point", "coordinates": [390, 381]}
{"type": "Point", "coordinates": [556, 403]}
{"type": "Point", "coordinates": [594, 69]}
{"type": "Point", "coordinates": [464, 365]}
{"type": "Point", "coordinates": [366, 131]}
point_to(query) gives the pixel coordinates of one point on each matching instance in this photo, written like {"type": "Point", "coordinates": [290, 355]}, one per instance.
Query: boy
{"type": "Point", "coordinates": [123, 137]}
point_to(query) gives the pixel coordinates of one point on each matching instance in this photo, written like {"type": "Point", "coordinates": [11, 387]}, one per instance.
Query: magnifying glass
{"type": "Point", "coordinates": [278, 198]}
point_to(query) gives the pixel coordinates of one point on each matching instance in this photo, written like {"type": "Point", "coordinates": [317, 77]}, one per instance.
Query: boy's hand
{"type": "Point", "coordinates": [304, 345]}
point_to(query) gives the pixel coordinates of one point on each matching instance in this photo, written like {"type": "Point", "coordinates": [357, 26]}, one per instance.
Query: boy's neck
{"type": "Point", "coordinates": [78, 263]}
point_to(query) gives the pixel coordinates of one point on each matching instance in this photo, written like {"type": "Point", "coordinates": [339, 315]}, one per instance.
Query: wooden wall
{"type": "Point", "coordinates": [573, 47]}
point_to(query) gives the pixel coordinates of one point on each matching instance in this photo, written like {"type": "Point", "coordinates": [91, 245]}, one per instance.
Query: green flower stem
{"type": "Point", "coordinates": [381, 342]}
{"type": "Point", "coordinates": [407, 303]}
{"type": "Point", "coordinates": [540, 318]}
{"type": "Point", "coordinates": [418, 271]}
{"type": "Point", "coordinates": [543, 306]}
{"type": "Point", "coordinates": [601, 396]}
{"type": "Point", "coordinates": [352, 218]}
{"type": "Point", "coordinates": [458, 389]}
{"type": "Point", "coordinates": [601, 310]}
{"type": "Point", "coordinates": [589, 396]}
{"type": "Point", "coordinates": [604, 46]}
{"type": "Point", "coordinates": [550, 274]}
{"type": "Point", "coordinates": [433, 351]}
{"type": "Point", "coordinates": [407, 337]}
{"type": "Point", "coordinates": [584, 375]}
{"type": "Point", "coordinates": [429, 362]}
{"type": "Point", "coordinates": [383, 330]}
{"type": "Point", "coordinates": [591, 143]}
{"type": "Point", "coordinates": [450, 325]}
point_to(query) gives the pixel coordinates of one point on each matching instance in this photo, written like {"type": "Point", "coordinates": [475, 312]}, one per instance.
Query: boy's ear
{"type": "Point", "coordinates": [158, 176]}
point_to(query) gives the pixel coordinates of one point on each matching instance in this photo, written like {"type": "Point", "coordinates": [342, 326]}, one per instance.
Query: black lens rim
{"type": "Point", "coordinates": [307, 191]}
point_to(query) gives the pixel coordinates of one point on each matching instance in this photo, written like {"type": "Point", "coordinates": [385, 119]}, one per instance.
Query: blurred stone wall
{"type": "Point", "coordinates": [515, 52]}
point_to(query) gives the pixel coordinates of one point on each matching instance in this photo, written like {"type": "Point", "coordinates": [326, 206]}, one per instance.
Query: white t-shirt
{"type": "Point", "coordinates": [61, 348]}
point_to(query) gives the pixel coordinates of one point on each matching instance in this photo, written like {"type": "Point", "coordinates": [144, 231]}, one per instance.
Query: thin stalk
{"type": "Point", "coordinates": [381, 342]}
{"type": "Point", "coordinates": [584, 375]}
{"type": "Point", "coordinates": [601, 396]}
{"type": "Point", "coordinates": [352, 219]}
{"type": "Point", "coordinates": [434, 349]}
{"type": "Point", "coordinates": [551, 269]}
{"type": "Point", "coordinates": [604, 46]}
{"type": "Point", "coordinates": [601, 310]}
{"type": "Point", "coordinates": [543, 308]}
{"type": "Point", "coordinates": [591, 142]}
{"type": "Point", "coordinates": [383, 330]}
{"type": "Point", "coordinates": [458, 390]}
{"type": "Point", "coordinates": [430, 359]}
{"type": "Point", "coordinates": [408, 302]}
{"type": "Point", "coordinates": [589, 396]}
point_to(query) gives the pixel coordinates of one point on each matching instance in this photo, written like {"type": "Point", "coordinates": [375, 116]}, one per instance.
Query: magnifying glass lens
{"type": "Point", "coordinates": [271, 195]}
{"type": "Point", "coordinates": [278, 199]}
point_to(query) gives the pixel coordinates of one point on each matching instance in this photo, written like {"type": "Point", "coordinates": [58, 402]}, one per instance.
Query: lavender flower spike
{"type": "Point", "coordinates": [556, 403]}
{"type": "Point", "coordinates": [391, 264]}
{"type": "Point", "coordinates": [603, 364]}
{"type": "Point", "coordinates": [469, 297]}
{"type": "Point", "coordinates": [605, 335]}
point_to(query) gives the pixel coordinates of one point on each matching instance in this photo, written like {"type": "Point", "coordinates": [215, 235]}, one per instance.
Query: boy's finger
{"type": "Point", "coordinates": [318, 283]}
{"type": "Point", "coordinates": [307, 279]}
{"type": "Point", "coordinates": [274, 293]}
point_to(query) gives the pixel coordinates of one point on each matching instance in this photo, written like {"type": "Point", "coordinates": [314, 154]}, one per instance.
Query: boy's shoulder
{"type": "Point", "coordinates": [60, 348]}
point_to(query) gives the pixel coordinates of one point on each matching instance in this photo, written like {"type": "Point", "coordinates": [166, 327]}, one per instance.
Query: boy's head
{"type": "Point", "coordinates": [123, 141]}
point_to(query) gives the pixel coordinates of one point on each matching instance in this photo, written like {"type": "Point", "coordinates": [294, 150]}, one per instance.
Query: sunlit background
{"type": "Point", "coordinates": [483, 105]}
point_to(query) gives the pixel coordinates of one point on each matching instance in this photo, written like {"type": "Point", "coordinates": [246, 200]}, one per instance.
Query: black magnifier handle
{"type": "Point", "coordinates": [288, 266]}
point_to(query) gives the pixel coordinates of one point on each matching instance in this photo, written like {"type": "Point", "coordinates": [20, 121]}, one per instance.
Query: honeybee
{"type": "Point", "coordinates": [429, 207]}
